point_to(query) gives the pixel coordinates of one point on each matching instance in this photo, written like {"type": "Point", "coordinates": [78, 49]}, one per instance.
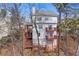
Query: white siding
{"type": "Point", "coordinates": [4, 28]}
{"type": "Point", "coordinates": [45, 23]}
{"type": "Point", "coordinates": [50, 20]}
{"type": "Point", "coordinates": [42, 34]}
{"type": "Point", "coordinates": [34, 36]}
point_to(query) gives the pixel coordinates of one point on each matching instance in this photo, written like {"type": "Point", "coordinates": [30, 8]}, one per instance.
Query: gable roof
{"type": "Point", "coordinates": [45, 13]}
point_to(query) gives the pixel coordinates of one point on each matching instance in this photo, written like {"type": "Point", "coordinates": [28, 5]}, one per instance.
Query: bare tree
{"type": "Point", "coordinates": [35, 26]}
{"type": "Point", "coordinates": [16, 20]}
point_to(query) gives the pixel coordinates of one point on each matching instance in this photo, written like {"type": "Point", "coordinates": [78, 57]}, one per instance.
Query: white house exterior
{"type": "Point", "coordinates": [4, 28]}
{"type": "Point", "coordinates": [43, 20]}
{"type": "Point", "coordinates": [4, 25]}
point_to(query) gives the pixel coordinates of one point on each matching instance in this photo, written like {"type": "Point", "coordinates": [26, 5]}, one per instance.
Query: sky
{"type": "Point", "coordinates": [41, 6]}
{"type": "Point", "coordinates": [25, 7]}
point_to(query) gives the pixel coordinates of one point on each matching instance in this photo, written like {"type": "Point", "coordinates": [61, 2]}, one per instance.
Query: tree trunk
{"type": "Point", "coordinates": [13, 48]}
{"type": "Point", "coordinates": [65, 42]}
{"type": "Point", "coordinates": [21, 37]}
{"type": "Point", "coordinates": [65, 38]}
{"type": "Point", "coordinates": [20, 29]}
{"type": "Point", "coordinates": [77, 46]}
{"type": "Point", "coordinates": [12, 39]}
{"type": "Point", "coordinates": [59, 37]}
{"type": "Point", "coordinates": [37, 36]}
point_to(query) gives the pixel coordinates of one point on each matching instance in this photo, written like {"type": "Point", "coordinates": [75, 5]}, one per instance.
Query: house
{"type": "Point", "coordinates": [46, 24]}
{"type": "Point", "coordinates": [4, 26]}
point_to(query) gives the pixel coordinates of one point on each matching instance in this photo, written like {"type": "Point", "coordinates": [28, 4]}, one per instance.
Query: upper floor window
{"type": "Point", "coordinates": [40, 26]}
{"type": "Point", "coordinates": [46, 18]}
{"type": "Point", "coordinates": [40, 18]}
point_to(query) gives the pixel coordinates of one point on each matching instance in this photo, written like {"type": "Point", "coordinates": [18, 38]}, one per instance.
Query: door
{"type": "Point", "coordinates": [28, 37]}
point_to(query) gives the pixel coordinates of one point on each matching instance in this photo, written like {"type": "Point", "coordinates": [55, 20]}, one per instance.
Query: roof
{"type": "Point", "coordinates": [29, 23]}
{"type": "Point", "coordinates": [45, 13]}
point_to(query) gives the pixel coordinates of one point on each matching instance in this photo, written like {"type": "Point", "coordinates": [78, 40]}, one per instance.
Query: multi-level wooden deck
{"type": "Point", "coordinates": [27, 37]}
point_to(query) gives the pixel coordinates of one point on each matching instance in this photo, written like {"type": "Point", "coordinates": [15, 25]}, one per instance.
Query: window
{"type": "Point", "coordinates": [40, 26]}
{"type": "Point", "coordinates": [46, 18]}
{"type": "Point", "coordinates": [49, 35]}
{"type": "Point", "coordinates": [30, 31]}
{"type": "Point", "coordinates": [50, 26]}
{"type": "Point", "coordinates": [39, 19]}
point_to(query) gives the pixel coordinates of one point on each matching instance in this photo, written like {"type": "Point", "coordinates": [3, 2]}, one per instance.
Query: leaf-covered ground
{"type": "Point", "coordinates": [7, 50]}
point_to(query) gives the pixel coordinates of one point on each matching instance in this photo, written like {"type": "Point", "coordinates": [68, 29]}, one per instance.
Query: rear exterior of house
{"type": "Point", "coordinates": [46, 23]}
